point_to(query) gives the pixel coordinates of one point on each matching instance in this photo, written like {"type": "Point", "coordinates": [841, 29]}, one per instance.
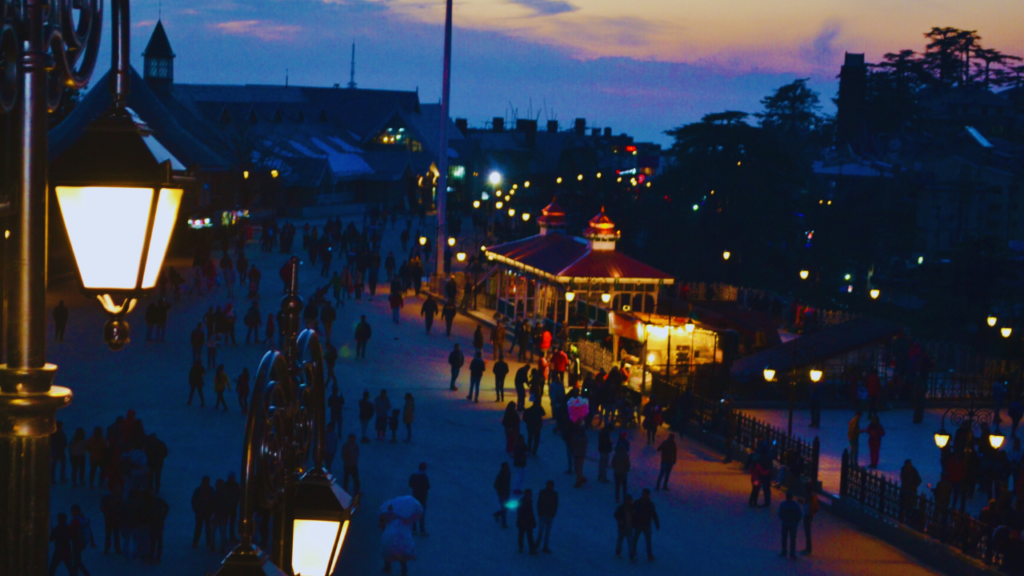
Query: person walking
{"type": "Point", "coordinates": [620, 470]}
{"type": "Point", "coordinates": [448, 315]}
{"type": "Point", "coordinates": [790, 515]}
{"type": "Point", "coordinates": [809, 511]}
{"type": "Point", "coordinates": [518, 464]}
{"type": "Point", "coordinates": [500, 370]}
{"type": "Point", "coordinates": [644, 513]}
{"type": "Point", "coordinates": [61, 537]}
{"type": "Point", "coordinates": [526, 521]}
{"type": "Point", "coordinates": [198, 339]}
{"type": "Point", "coordinates": [362, 335]}
{"type": "Point", "coordinates": [202, 506]}
{"type": "Point", "coordinates": [428, 311]}
{"type": "Point", "coordinates": [455, 359]}
{"type": "Point", "coordinates": [366, 412]}
{"type": "Point", "coordinates": [221, 384]}
{"type": "Point", "coordinates": [58, 453]}
{"type": "Point", "coordinates": [547, 508]}
{"type": "Point", "coordinates": [498, 339]}
{"type": "Point", "coordinates": [253, 319]}
{"type": "Point", "coordinates": [336, 402]}
{"type": "Point", "coordinates": [328, 315]}
{"type": "Point", "coordinates": [521, 381]}
{"type": "Point", "coordinates": [579, 455]}
{"type": "Point", "coordinates": [624, 525]}
{"type": "Point", "coordinates": [350, 464]}
{"type": "Point", "coordinates": [110, 507]}
{"type": "Point", "coordinates": [668, 451]}
{"type": "Point", "coordinates": [99, 455]}
{"type": "Point", "coordinates": [76, 454]}
{"type": "Point", "coordinates": [503, 487]}
{"type": "Point", "coordinates": [875, 431]}
{"type": "Point", "coordinates": [408, 414]}
{"type": "Point", "coordinates": [60, 320]}
{"type": "Point", "coordinates": [604, 451]}
{"type": "Point", "coordinates": [853, 432]}
{"type": "Point", "coordinates": [760, 481]}
{"type": "Point", "coordinates": [81, 537]}
{"type": "Point", "coordinates": [397, 542]}
{"type": "Point", "coordinates": [420, 486]}
{"type": "Point", "coordinates": [533, 417]}
{"type": "Point", "coordinates": [381, 409]}
{"type": "Point", "coordinates": [396, 302]}
{"type": "Point", "coordinates": [477, 367]}
{"type": "Point", "coordinates": [242, 389]}
{"type": "Point", "coordinates": [510, 422]}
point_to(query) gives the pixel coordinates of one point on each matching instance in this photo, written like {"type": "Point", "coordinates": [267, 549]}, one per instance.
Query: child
{"type": "Point", "coordinates": [393, 424]}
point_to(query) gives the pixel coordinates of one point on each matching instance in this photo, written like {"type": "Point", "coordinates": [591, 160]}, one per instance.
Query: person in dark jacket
{"type": "Point", "coordinates": [525, 521]}
{"type": "Point", "coordinates": [503, 486]}
{"type": "Point", "coordinates": [477, 367]}
{"type": "Point", "coordinates": [327, 316]}
{"type": "Point", "coordinates": [547, 508]}
{"type": "Point", "coordinates": [455, 359]}
{"type": "Point", "coordinates": [521, 380]}
{"type": "Point", "coordinates": [510, 422]}
{"type": "Point", "coordinates": [420, 485]}
{"type": "Point", "coordinates": [198, 339]}
{"type": "Point", "coordinates": [233, 496]}
{"type": "Point", "coordinates": [500, 370]}
{"type": "Point", "coordinates": [381, 407]}
{"type": "Point", "coordinates": [790, 514]}
{"type": "Point", "coordinates": [195, 383]}
{"type": "Point", "coordinates": [61, 537]}
{"type": "Point", "coordinates": [643, 514]}
{"type": "Point", "coordinates": [478, 339]}
{"type": "Point", "coordinates": [222, 513]}
{"type": "Point", "coordinates": [668, 460]}
{"type": "Point", "coordinates": [156, 453]}
{"type": "Point", "coordinates": [624, 524]}
{"type": "Point", "coordinates": [350, 463]}
{"type": "Point", "coordinates": [448, 315]}
{"type": "Point", "coordinates": [428, 311]}
{"type": "Point", "coordinates": [366, 412]}
{"type": "Point", "coordinates": [110, 507]}
{"type": "Point", "coordinates": [533, 417]}
{"type": "Point", "coordinates": [203, 507]}
{"type": "Point", "coordinates": [362, 335]}
{"type": "Point", "coordinates": [604, 450]}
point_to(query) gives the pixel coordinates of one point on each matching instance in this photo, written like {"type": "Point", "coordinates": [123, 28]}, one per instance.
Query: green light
{"type": "Point", "coordinates": [695, 207]}
{"type": "Point", "coordinates": [920, 260]}
{"type": "Point", "coordinates": [847, 277]}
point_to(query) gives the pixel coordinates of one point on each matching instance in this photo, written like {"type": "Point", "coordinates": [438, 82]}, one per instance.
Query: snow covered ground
{"type": "Point", "coordinates": [706, 525]}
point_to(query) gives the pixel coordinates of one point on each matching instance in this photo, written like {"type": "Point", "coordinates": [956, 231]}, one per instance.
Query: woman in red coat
{"type": "Point", "coordinates": [875, 433]}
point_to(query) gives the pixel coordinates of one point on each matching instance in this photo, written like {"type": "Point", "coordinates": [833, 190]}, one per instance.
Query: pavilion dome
{"type": "Point", "coordinates": [552, 217]}
{"type": "Point", "coordinates": [601, 229]}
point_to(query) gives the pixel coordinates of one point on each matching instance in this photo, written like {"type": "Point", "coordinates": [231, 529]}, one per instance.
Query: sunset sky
{"type": "Point", "coordinates": [640, 67]}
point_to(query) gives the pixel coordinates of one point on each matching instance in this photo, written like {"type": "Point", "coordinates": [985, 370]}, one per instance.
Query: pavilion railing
{"type": "Point", "coordinates": [887, 499]}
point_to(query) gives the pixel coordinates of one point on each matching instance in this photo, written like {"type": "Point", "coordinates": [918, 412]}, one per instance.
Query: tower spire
{"type": "Point", "coordinates": [352, 69]}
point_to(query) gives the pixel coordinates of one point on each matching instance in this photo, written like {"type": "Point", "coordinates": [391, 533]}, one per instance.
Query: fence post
{"type": "Point", "coordinates": [844, 474]}
{"type": "Point", "coordinates": [815, 453]}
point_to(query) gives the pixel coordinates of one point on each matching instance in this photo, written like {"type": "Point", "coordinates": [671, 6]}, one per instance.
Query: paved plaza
{"type": "Point", "coordinates": [706, 524]}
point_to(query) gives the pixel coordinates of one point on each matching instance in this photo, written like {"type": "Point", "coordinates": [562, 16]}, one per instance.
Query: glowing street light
{"type": "Point", "coordinates": [570, 296]}
{"type": "Point", "coordinates": [526, 216]}
{"type": "Point", "coordinates": [423, 240]}
{"type": "Point", "coordinates": [526, 184]}
{"type": "Point", "coordinates": [494, 178]}
{"type": "Point", "coordinates": [726, 255]}
{"type": "Point", "coordinates": [992, 320]}
{"type": "Point", "coordinates": [689, 326]}
{"type": "Point", "coordinates": [816, 374]}
{"type": "Point", "coordinates": [1006, 331]}
{"type": "Point", "coordinates": [476, 203]}
{"type": "Point", "coordinates": [245, 174]}
{"type": "Point", "coordinates": [499, 205]}
{"type": "Point", "coordinates": [874, 293]}
{"type": "Point", "coordinates": [511, 212]}
{"type": "Point", "coordinates": [558, 180]}
{"type": "Point", "coordinates": [461, 256]}
{"type": "Point", "coordinates": [274, 173]}
{"type": "Point", "coordinates": [606, 297]}
{"type": "Point", "coordinates": [804, 274]}
{"type": "Point", "coordinates": [451, 241]}
{"type": "Point", "coordinates": [769, 374]}
{"type": "Point", "coordinates": [580, 177]}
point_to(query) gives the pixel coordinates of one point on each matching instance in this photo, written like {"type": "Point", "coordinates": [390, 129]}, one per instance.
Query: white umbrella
{"type": "Point", "coordinates": [405, 507]}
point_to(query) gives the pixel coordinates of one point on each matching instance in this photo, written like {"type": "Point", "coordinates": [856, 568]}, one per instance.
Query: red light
{"type": "Point", "coordinates": [641, 178]}
{"type": "Point", "coordinates": [666, 199]}
{"type": "Point", "coordinates": [630, 148]}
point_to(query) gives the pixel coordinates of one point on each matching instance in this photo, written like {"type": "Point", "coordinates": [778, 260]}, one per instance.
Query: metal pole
{"type": "Point", "coordinates": [28, 403]}
{"type": "Point", "coordinates": [442, 160]}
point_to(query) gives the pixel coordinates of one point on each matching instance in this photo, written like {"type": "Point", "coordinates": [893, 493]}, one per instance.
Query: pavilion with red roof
{"type": "Point", "coordinates": [553, 274]}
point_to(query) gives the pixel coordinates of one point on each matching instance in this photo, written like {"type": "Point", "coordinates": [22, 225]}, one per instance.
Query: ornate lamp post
{"type": "Point", "coordinates": [45, 46]}
{"type": "Point", "coordinates": [973, 418]}
{"type": "Point", "coordinates": [282, 462]}
{"type": "Point", "coordinates": [815, 375]}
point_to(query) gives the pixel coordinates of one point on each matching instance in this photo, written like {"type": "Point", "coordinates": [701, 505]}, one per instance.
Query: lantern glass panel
{"type": "Point", "coordinates": [163, 225]}
{"type": "Point", "coordinates": [108, 255]}
{"type": "Point", "coordinates": [312, 545]}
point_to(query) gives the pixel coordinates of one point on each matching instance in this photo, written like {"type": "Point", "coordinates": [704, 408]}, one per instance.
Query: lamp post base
{"type": "Point", "coordinates": [26, 422]}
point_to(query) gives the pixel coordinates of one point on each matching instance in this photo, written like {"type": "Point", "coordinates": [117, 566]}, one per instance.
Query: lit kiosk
{"type": "Point", "coordinates": [570, 279]}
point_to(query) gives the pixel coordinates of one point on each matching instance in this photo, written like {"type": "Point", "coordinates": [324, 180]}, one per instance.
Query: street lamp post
{"type": "Point", "coordinates": [44, 50]}
{"type": "Point", "coordinates": [973, 418]}
{"type": "Point", "coordinates": [282, 461]}
{"type": "Point", "coordinates": [769, 372]}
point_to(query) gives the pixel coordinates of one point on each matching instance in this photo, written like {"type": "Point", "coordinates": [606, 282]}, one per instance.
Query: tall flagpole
{"type": "Point", "coordinates": [442, 164]}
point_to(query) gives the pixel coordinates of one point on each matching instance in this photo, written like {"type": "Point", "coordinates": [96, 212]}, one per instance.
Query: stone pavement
{"type": "Point", "coordinates": [705, 522]}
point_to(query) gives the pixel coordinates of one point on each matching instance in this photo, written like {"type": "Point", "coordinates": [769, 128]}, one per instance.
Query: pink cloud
{"type": "Point", "coordinates": [258, 29]}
